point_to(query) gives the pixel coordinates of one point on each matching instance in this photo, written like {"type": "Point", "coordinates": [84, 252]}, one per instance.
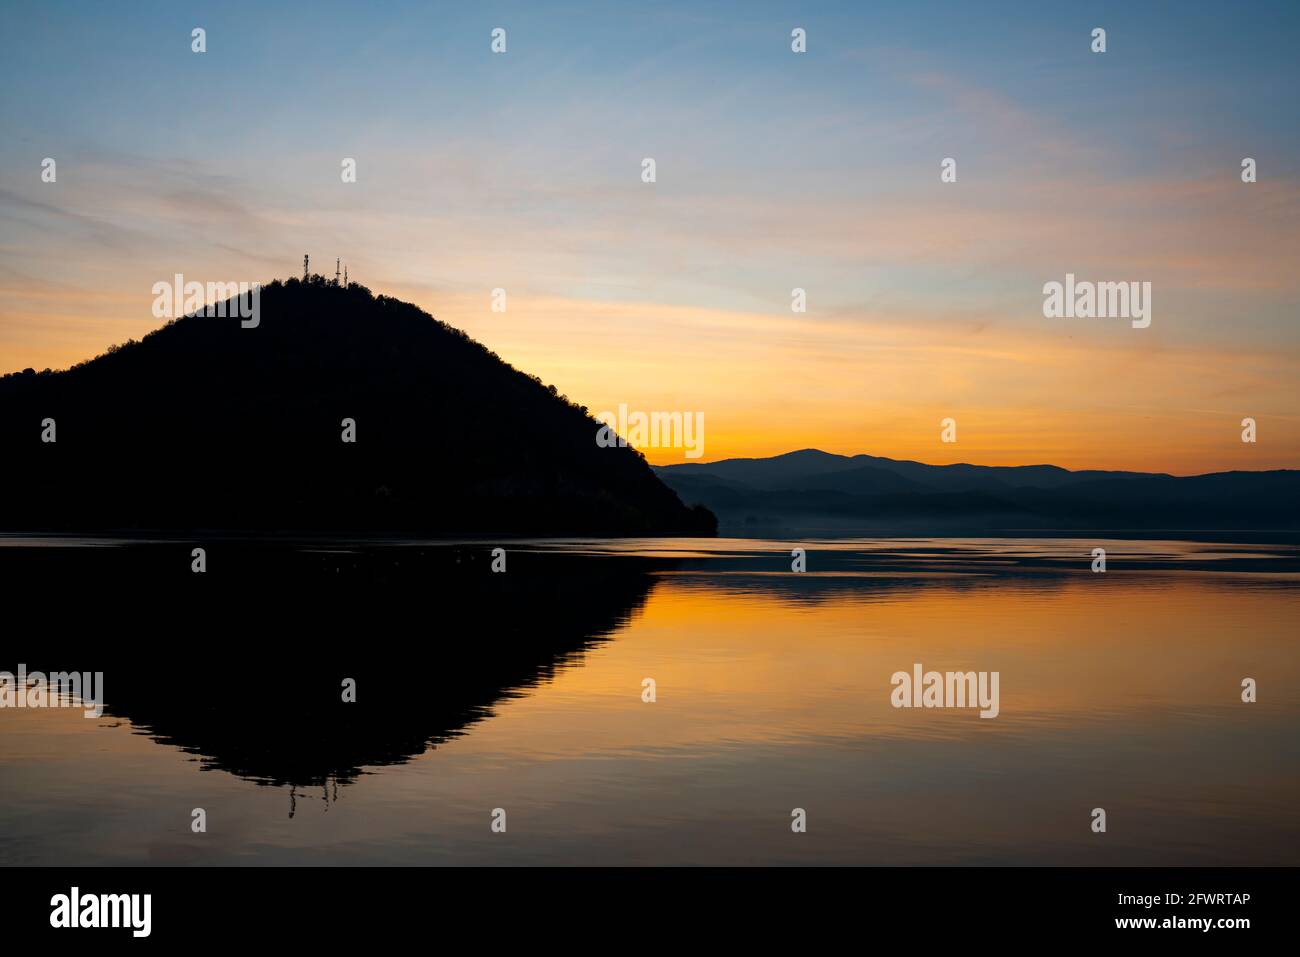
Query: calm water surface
{"type": "Point", "coordinates": [1118, 690]}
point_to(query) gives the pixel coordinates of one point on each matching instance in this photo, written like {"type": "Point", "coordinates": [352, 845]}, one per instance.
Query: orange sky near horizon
{"type": "Point", "coordinates": [1078, 397]}
{"type": "Point", "coordinates": [1092, 394]}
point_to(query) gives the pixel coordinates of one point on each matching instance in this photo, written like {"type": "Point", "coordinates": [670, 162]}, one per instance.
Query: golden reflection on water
{"type": "Point", "coordinates": [773, 692]}
{"type": "Point", "coordinates": [733, 663]}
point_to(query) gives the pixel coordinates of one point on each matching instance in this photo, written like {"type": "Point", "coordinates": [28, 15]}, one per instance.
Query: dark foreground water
{"type": "Point", "coordinates": [523, 692]}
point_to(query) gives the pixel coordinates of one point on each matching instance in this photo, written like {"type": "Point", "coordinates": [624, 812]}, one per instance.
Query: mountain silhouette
{"type": "Point", "coordinates": [205, 424]}
{"type": "Point", "coordinates": [861, 494]}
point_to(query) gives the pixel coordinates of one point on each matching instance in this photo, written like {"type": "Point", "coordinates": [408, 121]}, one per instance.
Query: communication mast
{"type": "Point", "coordinates": [336, 272]}
{"type": "Point", "coordinates": [304, 267]}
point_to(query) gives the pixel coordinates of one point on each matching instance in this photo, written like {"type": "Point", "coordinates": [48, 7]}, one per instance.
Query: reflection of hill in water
{"type": "Point", "coordinates": [243, 666]}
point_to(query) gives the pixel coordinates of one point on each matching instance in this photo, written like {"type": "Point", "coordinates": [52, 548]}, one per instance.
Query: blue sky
{"type": "Point", "coordinates": [775, 170]}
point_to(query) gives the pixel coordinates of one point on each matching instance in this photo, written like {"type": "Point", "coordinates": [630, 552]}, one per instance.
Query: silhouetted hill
{"type": "Point", "coordinates": [204, 424]}
{"type": "Point", "coordinates": [796, 469]}
{"type": "Point", "coordinates": [815, 491]}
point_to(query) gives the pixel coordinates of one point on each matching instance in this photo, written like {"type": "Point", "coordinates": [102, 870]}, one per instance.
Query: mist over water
{"type": "Point", "coordinates": [523, 691]}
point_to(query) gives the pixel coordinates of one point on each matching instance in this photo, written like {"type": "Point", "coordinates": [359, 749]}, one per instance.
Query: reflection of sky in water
{"type": "Point", "coordinates": [1119, 691]}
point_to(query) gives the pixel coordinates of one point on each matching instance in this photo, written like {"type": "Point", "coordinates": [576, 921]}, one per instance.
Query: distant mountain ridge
{"type": "Point", "coordinates": [811, 489]}
{"type": "Point", "coordinates": [205, 424]}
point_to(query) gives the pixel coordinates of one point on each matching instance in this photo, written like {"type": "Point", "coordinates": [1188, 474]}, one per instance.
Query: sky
{"type": "Point", "coordinates": [775, 170]}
